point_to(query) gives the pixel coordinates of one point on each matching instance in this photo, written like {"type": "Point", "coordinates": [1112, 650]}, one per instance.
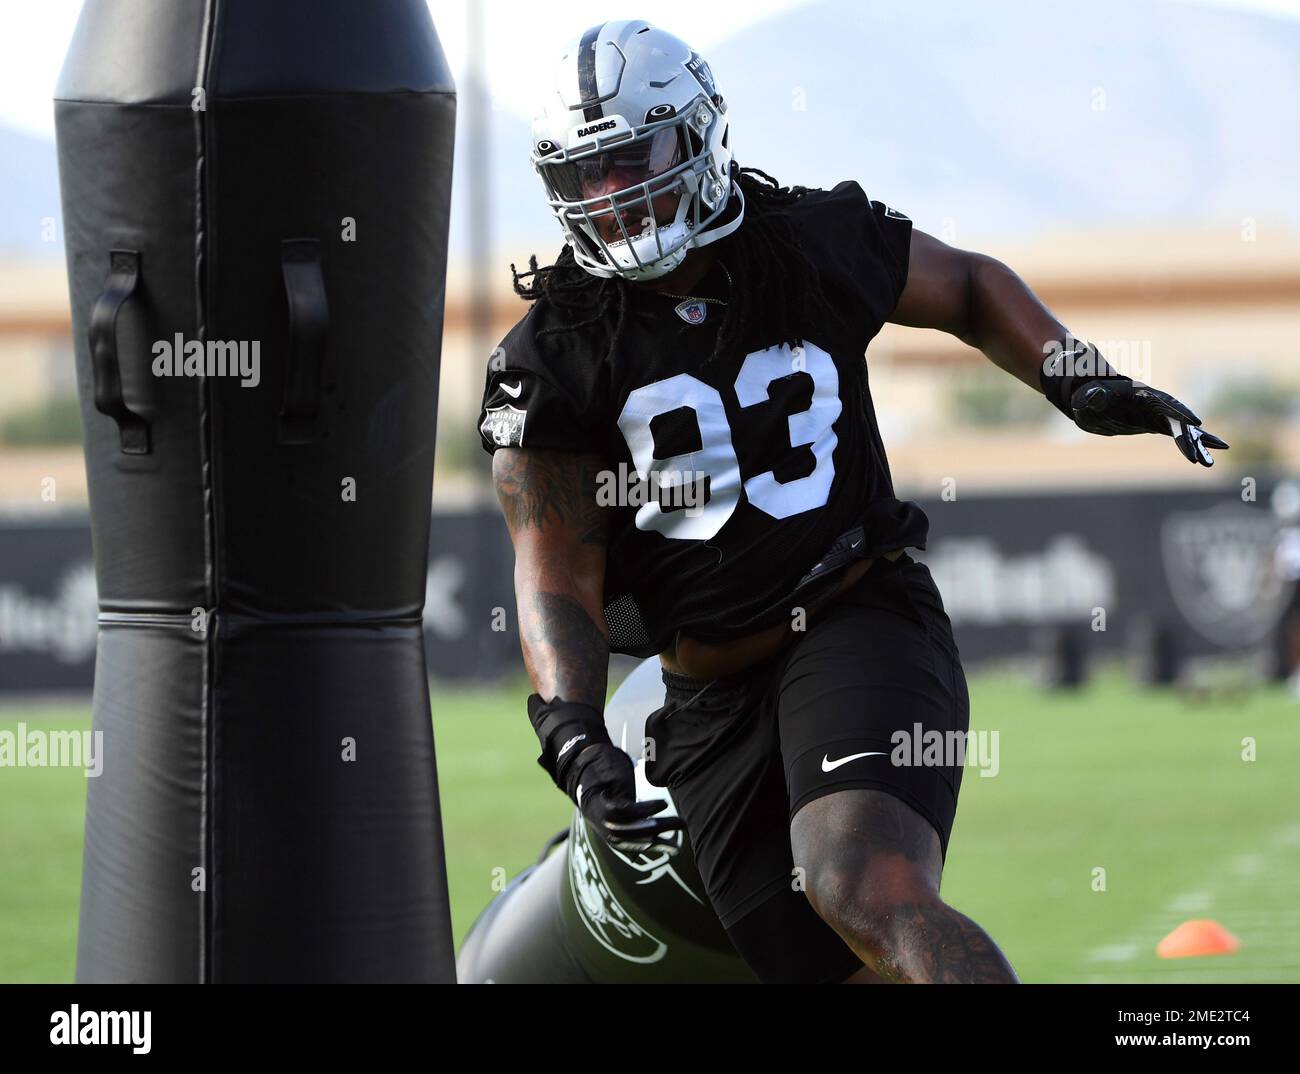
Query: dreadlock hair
{"type": "Point", "coordinates": [774, 284]}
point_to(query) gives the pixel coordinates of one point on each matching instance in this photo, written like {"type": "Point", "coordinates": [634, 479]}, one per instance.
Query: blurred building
{"type": "Point", "coordinates": [36, 355]}
{"type": "Point", "coordinates": [1210, 316]}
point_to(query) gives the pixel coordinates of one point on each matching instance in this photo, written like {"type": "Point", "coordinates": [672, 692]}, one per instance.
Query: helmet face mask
{"type": "Point", "coordinates": [636, 176]}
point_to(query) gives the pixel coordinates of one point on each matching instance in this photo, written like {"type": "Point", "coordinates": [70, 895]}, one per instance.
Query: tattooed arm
{"type": "Point", "coordinates": [558, 530]}
{"type": "Point", "coordinates": [559, 535]}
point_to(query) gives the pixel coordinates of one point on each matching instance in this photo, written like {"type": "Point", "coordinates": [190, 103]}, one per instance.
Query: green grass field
{"type": "Point", "coordinates": [1149, 786]}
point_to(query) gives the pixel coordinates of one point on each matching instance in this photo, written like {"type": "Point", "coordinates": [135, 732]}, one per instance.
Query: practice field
{"type": "Point", "coordinates": [1150, 787]}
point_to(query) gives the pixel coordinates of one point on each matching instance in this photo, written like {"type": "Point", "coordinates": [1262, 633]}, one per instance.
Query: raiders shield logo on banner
{"type": "Point", "coordinates": [692, 311]}
{"type": "Point", "coordinates": [505, 425]}
{"type": "Point", "coordinates": [1219, 564]}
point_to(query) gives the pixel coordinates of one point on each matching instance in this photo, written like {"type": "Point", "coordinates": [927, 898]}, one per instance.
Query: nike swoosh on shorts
{"type": "Point", "coordinates": [829, 766]}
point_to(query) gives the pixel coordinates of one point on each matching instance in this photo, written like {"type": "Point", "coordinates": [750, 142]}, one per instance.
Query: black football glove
{"type": "Point", "coordinates": [605, 792]}
{"type": "Point", "coordinates": [599, 778]}
{"type": "Point", "coordinates": [1100, 400]}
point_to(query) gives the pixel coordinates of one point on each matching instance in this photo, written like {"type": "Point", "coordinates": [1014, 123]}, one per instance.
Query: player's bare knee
{"type": "Point", "coordinates": [865, 847]}
{"type": "Point", "coordinates": [839, 882]}
{"type": "Point", "coordinates": [831, 886]}
{"type": "Point", "coordinates": [860, 889]}
{"type": "Point", "coordinates": [880, 922]}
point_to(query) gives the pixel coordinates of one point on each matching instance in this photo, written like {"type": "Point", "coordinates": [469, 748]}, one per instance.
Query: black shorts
{"type": "Point", "coordinates": [741, 756]}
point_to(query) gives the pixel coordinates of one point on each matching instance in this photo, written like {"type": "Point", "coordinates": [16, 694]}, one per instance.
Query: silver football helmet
{"type": "Point", "coordinates": [632, 146]}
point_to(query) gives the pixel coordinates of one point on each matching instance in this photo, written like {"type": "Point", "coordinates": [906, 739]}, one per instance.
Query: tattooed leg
{"type": "Point", "coordinates": [873, 866]}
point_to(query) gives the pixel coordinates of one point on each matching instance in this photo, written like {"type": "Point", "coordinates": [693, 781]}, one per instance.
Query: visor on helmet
{"type": "Point", "coordinates": [609, 171]}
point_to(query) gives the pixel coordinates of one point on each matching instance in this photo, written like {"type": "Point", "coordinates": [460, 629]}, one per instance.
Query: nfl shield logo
{"type": "Point", "coordinates": [504, 426]}
{"type": "Point", "coordinates": [692, 311]}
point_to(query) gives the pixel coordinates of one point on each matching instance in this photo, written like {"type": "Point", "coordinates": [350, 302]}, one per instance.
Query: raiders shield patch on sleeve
{"type": "Point", "coordinates": [504, 426]}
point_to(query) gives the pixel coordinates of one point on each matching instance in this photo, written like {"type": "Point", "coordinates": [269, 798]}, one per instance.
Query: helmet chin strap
{"type": "Point", "coordinates": [717, 231]}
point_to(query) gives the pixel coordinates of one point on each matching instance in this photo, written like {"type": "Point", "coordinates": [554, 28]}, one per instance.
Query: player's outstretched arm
{"type": "Point", "coordinates": [985, 304]}
{"type": "Point", "coordinates": [558, 531]}
{"type": "Point", "coordinates": [980, 301]}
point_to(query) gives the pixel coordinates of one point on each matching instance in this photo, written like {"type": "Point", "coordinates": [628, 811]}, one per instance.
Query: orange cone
{"type": "Point", "coordinates": [1195, 938]}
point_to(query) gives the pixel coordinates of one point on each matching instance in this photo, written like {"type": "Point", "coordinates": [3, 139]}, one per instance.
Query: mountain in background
{"type": "Point", "coordinates": [1012, 117]}
{"type": "Point", "coordinates": [29, 196]}
{"type": "Point", "coordinates": [1018, 116]}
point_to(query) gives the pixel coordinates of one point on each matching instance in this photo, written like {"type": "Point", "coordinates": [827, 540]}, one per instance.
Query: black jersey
{"type": "Point", "coordinates": [737, 487]}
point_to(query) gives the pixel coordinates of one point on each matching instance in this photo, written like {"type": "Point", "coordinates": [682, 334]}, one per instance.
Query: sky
{"type": "Point", "coordinates": [523, 38]}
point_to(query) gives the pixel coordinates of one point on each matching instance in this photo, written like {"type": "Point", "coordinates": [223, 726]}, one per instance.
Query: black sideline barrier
{"type": "Point", "coordinates": [1177, 573]}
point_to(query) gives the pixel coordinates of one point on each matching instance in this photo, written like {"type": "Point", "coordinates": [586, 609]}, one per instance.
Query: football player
{"type": "Point", "coordinates": [690, 466]}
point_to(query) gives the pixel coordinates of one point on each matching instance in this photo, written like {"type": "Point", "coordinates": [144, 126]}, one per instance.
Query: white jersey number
{"type": "Point", "coordinates": [716, 458]}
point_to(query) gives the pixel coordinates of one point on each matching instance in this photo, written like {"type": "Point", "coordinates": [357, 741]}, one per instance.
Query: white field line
{"type": "Point", "coordinates": [1256, 929]}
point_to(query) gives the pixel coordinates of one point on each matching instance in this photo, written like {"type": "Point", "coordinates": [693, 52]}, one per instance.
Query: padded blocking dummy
{"type": "Point", "coordinates": [266, 180]}
{"type": "Point", "coordinates": [586, 914]}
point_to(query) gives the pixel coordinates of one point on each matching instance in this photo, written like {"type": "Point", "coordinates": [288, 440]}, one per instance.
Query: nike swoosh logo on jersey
{"type": "Point", "coordinates": [829, 766]}
{"type": "Point", "coordinates": [513, 392]}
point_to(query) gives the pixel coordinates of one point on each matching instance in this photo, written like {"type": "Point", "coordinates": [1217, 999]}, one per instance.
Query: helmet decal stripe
{"type": "Point", "coordinates": [587, 73]}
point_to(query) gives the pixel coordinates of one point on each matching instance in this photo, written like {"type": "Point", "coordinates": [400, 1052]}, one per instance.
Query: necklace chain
{"type": "Point", "coordinates": [700, 298]}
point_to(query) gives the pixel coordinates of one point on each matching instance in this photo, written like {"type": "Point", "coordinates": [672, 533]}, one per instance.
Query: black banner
{"type": "Point", "coordinates": [1116, 569]}
{"type": "Point", "coordinates": [47, 606]}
